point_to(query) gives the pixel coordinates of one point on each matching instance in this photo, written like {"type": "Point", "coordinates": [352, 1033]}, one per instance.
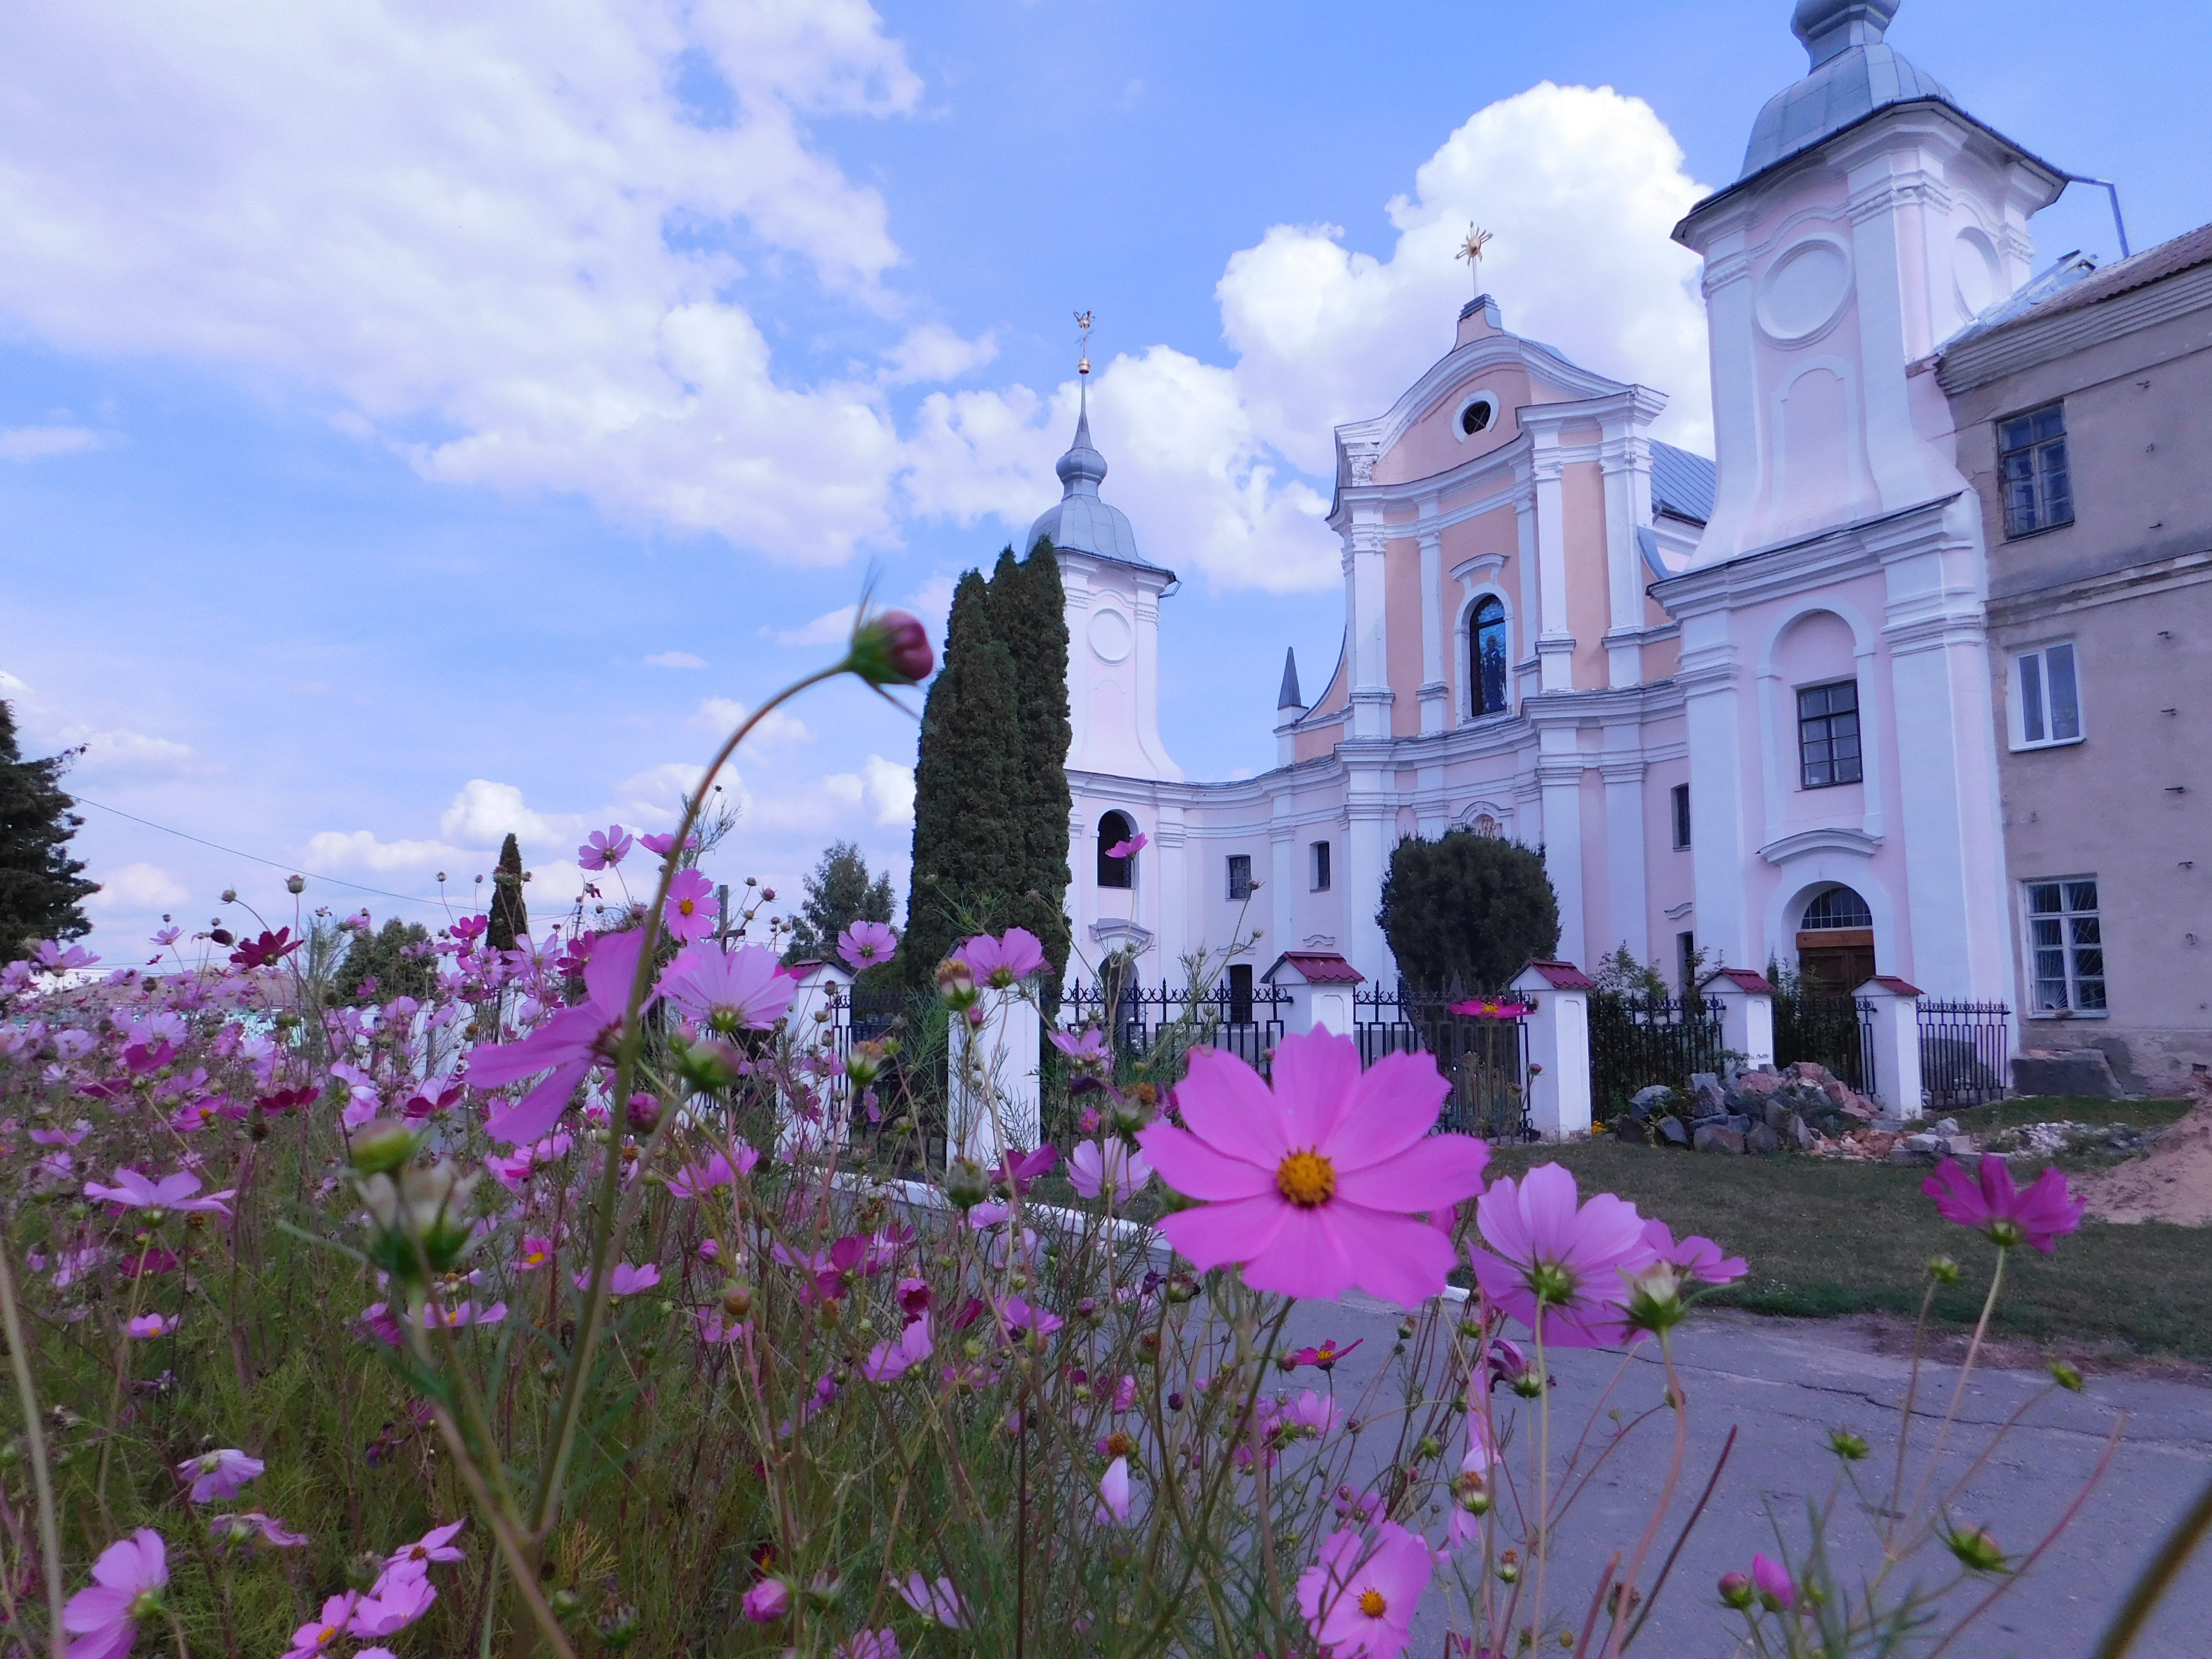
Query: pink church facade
{"type": "Point", "coordinates": [1747, 706]}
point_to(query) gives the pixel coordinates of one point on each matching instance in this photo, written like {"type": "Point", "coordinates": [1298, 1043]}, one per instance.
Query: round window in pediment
{"type": "Point", "coordinates": [1474, 417]}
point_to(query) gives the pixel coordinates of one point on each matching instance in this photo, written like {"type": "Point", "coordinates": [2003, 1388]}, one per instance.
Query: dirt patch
{"type": "Point", "coordinates": [2172, 1181]}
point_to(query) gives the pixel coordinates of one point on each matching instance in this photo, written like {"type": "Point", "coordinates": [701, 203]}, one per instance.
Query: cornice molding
{"type": "Point", "coordinates": [1838, 839]}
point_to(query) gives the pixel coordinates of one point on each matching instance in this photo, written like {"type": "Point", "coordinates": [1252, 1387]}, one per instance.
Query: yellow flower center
{"type": "Point", "coordinates": [685, 906]}
{"type": "Point", "coordinates": [1371, 1603]}
{"type": "Point", "coordinates": [1307, 1179]}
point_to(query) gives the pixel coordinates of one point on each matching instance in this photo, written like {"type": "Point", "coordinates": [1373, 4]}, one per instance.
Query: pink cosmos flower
{"type": "Point", "coordinates": [1359, 1601]}
{"type": "Point", "coordinates": [1771, 1580]}
{"type": "Point", "coordinates": [624, 1280]}
{"type": "Point", "coordinates": [127, 1581]}
{"type": "Point", "coordinates": [865, 943]}
{"type": "Point", "coordinates": [695, 1179]}
{"type": "Point", "coordinates": [435, 1544]}
{"type": "Point", "coordinates": [689, 913]}
{"type": "Point", "coordinates": [533, 1254]}
{"type": "Point", "coordinates": [1129, 849]}
{"type": "Point", "coordinates": [252, 1524]}
{"type": "Point", "coordinates": [889, 1361]}
{"type": "Point", "coordinates": [1314, 1412]}
{"type": "Point", "coordinates": [1554, 1260]}
{"type": "Point", "coordinates": [1325, 1357]}
{"type": "Point", "coordinates": [1095, 1169]}
{"type": "Point", "coordinates": [664, 845]}
{"type": "Point", "coordinates": [570, 1043]}
{"type": "Point", "coordinates": [1308, 1183]}
{"type": "Point", "coordinates": [220, 1476]}
{"type": "Point", "coordinates": [316, 1635]}
{"type": "Point", "coordinates": [2006, 1216]}
{"type": "Point", "coordinates": [1114, 1492]}
{"type": "Point", "coordinates": [741, 990]}
{"type": "Point", "coordinates": [939, 1601]}
{"type": "Point", "coordinates": [397, 1602]}
{"type": "Point", "coordinates": [603, 849]}
{"type": "Point", "coordinates": [133, 1191]}
{"type": "Point", "coordinates": [768, 1602]}
{"type": "Point", "coordinates": [1020, 1316]}
{"type": "Point", "coordinates": [461, 1314]}
{"type": "Point", "coordinates": [1697, 1257]}
{"type": "Point", "coordinates": [150, 1325]}
{"type": "Point", "coordinates": [1088, 1049]}
{"type": "Point", "coordinates": [55, 960]}
{"type": "Point", "coordinates": [1003, 962]}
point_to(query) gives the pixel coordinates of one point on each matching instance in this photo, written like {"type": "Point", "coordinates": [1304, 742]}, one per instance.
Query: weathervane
{"type": "Point", "coordinates": [1082, 322]}
{"type": "Point", "coordinates": [1471, 250]}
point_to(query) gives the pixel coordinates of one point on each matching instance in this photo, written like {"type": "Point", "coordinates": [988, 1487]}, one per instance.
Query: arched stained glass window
{"type": "Point", "coordinates": [1486, 659]}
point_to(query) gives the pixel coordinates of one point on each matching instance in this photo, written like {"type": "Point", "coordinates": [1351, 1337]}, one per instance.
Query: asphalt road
{"type": "Point", "coordinates": [1784, 1384]}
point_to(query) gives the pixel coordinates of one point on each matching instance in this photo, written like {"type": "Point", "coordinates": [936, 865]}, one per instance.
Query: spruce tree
{"type": "Point", "coordinates": [968, 832]}
{"type": "Point", "coordinates": [40, 885]}
{"type": "Point", "coordinates": [839, 893]}
{"type": "Point", "coordinates": [1467, 909]}
{"type": "Point", "coordinates": [509, 919]}
{"type": "Point", "coordinates": [1029, 613]}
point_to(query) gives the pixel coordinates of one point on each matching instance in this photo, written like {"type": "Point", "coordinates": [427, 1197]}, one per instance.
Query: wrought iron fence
{"type": "Point", "coordinates": [1964, 1051]}
{"type": "Point", "coordinates": [1137, 1017]}
{"type": "Point", "coordinates": [1484, 1058]}
{"type": "Point", "coordinates": [1830, 1030]}
{"type": "Point", "coordinates": [1636, 1040]}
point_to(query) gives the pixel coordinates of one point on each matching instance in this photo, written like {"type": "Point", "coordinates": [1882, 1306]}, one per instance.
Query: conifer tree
{"type": "Point", "coordinates": [839, 893]}
{"type": "Point", "coordinates": [1029, 612]}
{"type": "Point", "coordinates": [509, 918]}
{"type": "Point", "coordinates": [40, 885]}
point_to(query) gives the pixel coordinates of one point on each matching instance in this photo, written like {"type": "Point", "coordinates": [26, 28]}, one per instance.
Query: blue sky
{"type": "Point", "coordinates": [412, 429]}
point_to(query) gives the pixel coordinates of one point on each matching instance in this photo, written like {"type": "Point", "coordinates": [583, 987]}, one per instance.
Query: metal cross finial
{"type": "Point", "coordinates": [1471, 250]}
{"type": "Point", "coordinates": [1082, 322]}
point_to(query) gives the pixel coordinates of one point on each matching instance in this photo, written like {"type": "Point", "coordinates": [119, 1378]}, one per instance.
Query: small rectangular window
{"type": "Point", "coordinates": [1240, 876]}
{"type": "Point", "coordinates": [1828, 734]}
{"type": "Point", "coordinates": [2065, 945]}
{"type": "Point", "coordinates": [1320, 866]}
{"type": "Point", "coordinates": [1682, 799]}
{"type": "Point", "coordinates": [1240, 993]}
{"type": "Point", "coordinates": [1685, 961]}
{"type": "Point", "coordinates": [2038, 491]}
{"type": "Point", "coordinates": [2046, 698]}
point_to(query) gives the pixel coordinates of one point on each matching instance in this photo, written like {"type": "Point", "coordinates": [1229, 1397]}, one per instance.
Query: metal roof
{"type": "Point", "coordinates": [1682, 483]}
{"type": "Point", "coordinates": [1081, 523]}
{"type": "Point", "coordinates": [1853, 74]}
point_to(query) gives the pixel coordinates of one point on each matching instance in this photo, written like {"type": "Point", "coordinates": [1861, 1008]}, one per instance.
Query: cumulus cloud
{"type": "Point", "coordinates": [138, 886]}
{"type": "Point", "coordinates": [125, 753]}
{"type": "Point", "coordinates": [933, 352]}
{"type": "Point", "coordinates": [38, 443]}
{"type": "Point", "coordinates": [882, 789]}
{"type": "Point", "coordinates": [483, 813]}
{"type": "Point", "coordinates": [674, 659]}
{"type": "Point", "coordinates": [506, 242]}
{"type": "Point", "coordinates": [361, 849]}
{"type": "Point", "coordinates": [778, 727]}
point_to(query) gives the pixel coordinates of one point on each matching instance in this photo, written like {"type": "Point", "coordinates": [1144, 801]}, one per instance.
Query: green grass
{"type": "Point", "coordinates": [2067, 1109]}
{"type": "Point", "coordinates": [1825, 1238]}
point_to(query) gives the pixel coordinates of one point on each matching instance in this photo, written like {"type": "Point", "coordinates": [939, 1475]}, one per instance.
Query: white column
{"type": "Point", "coordinates": [1555, 638]}
{"type": "Point", "coordinates": [1434, 694]}
{"type": "Point", "coordinates": [1722, 851]}
{"type": "Point", "coordinates": [1370, 630]}
{"type": "Point", "coordinates": [1282, 889]}
{"type": "Point", "coordinates": [1559, 774]}
{"type": "Point", "coordinates": [1746, 1014]}
{"type": "Point", "coordinates": [1627, 913]}
{"type": "Point", "coordinates": [1558, 1054]}
{"type": "Point", "coordinates": [1626, 462]}
{"type": "Point", "coordinates": [1896, 1044]}
{"type": "Point", "coordinates": [1173, 868]}
{"type": "Point", "coordinates": [1005, 1111]}
{"type": "Point", "coordinates": [1372, 814]}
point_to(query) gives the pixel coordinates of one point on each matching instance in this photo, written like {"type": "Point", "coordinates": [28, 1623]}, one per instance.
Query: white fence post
{"type": "Point", "coordinates": [1005, 1111]}
{"type": "Point", "coordinates": [1747, 1013]}
{"type": "Point", "coordinates": [1321, 985]}
{"type": "Point", "coordinates": [824, 988]}
{"type": "Point", "coordinates": [1896, 1044]}
{"type": "Point", "coordinates": [1557, 993]}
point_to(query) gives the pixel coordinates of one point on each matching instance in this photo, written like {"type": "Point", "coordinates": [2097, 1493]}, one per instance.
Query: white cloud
{"type": "Point", "coordinates": [503, 228]}
{"type": "Point", "coordinates": [933, 352]}
{"type": "Point", "coordinates": [483, 813]}
{"type": "Point", "coordinates": [38, 443]}
{"type": "Point", "coordinates": [361, 849]}
{"type": "Point", "coordinates": [882, 791]}
{"type": "Point", "coordinates": [134, 754]}
{"type": "Point", "coordinates": [674, 659]}
{"type": "Point", "coordinates": [138, 887]}
{"type": "Point", "coordinates": [831, 627]}
{"type": "Point", "coordinates": [889, 788]}
{"type": "Point", "coordinates": [778, 728]}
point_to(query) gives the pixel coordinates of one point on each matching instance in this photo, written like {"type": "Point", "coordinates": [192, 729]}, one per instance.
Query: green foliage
{"type": "Point", "coordinates": [509, 918]}
{"type": "Point", "coordinates": [839, 893]}
{"type": "Point", "coordinates": [383, 957]}
{"type": "Point", "coordinates": [40, 885]}
{"type": "Point", "coordinates": [1466, 908]}
{"type": "Point", "coordinates": [1029, 612]}
{"type": "Point", "coordinates": [1620, 971]}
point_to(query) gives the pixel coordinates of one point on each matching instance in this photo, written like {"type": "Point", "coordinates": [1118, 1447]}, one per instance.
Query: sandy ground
{"type": "Point", "coordinates": [2172, 1181]}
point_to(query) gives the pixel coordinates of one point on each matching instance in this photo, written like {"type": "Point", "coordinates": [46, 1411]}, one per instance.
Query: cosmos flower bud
{"type": "Point", "coordinates": [710, 1066]}
{"type": "Point", "coordinates": [619, 1628]}
{"type": "Point", "coordinates": [2066, 1377]}
{"type": "Point", "coordinates": [956, 984]}
{"type": "Point", "coordinates": [382, 1145]}
{"type": "Point", "coordinates": [1735, 1591]}
{"type": "Point", "coordinates": [967, 1184]}
{"type": "Point", "coordinates": [1942, 1270]}
{"type": "Point", "coordinates": [643, 1113]}
{"type": "Point", "coordinates": [296, 884]}
{"type": "Point", "coordinates": [890, 648]}
{"type": "Point", "coordinates": [1978, 1552]}
{"type": "Point", "coordinates": [1846, 1445]}
{"type": "Point", "coordinates": [421, 1221]}
{"type": "Point", "coordinates": [230, 895]}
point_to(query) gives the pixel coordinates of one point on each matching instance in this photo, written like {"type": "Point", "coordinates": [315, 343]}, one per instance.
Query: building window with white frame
{"type": "Point", "coordinates": [2038, 490]}
{"type": "Point", "coordinates": [2046, 697]}
{"type": "Point", "coordinates": [1828, 734]}
{"type": "Point", "coordinates": [1319, 865]}
{"type": "Point", "coordinates": [2065, 947]}
{"type": "Point", "coordinates": [1485, 658]}
{"type": "Point", "coordinates": [1240, 876]}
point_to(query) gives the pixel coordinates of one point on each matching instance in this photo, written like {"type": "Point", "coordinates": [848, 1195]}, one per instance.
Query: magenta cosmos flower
{"type": "Point", "coordinates": [1358, 1599]}
{"type": "Point", "coordinates": [569, 1044]}
{"type": "Point", "coordinates": [1772, 1581]}
{"type": "Point", "coordinates": [2006, 1216]}
{"type": "Point", "coordinates": [127, 1581]}
{"type": "Point", "coordinates": [689, 913]}
{"type": "Point", "coordinates": [1089, 1048]}
{"type": "Point", "coordinates": [625, 1279]}
{"type": "Point", "coordinates": [326, 1627]}
{"type": "Point", "coordinates": [134, 1191]}
{"type": "Point", "coordinates": [729, 991]}
{"type": "Point", "coordinates": [1311, 1184]}
{"type": "Point", "coordinates": [865, 944]}
{"type": "Point", "coordinates": [149, 1325]}
{"type": "Point", "coordinates": [435, 1544]}
{"type": "Point", "coordinates": [1111, 1168]}
{"type": "Point", "coordinates": [603, 849]}
{"type": "Point", "coordinates": [1555, 1260]}
{"type": "Point", "coordinates": [220, 1476]}
{"type": "Point", "coordinates": [1695, 1257]}
{"type": "Point", "coordinates": [1005, 962]}
{"type": "Point", "coordinates": [1129, 849]}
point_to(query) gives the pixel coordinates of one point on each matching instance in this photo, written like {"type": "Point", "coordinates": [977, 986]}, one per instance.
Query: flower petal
{"type": "Point", "coordinates": [1225, 1104]}
{"type": "Point", "coordinates": [1390, 1106]}
{"type": "Point", "coordinates": [1435, 1171]}
{"type": "Point", "coordinates": [1198, 1171]}
{"type": "Point", "coordinates": [1315, 1075]}
{"type": "Point", "coordinates": [1235, 1231]}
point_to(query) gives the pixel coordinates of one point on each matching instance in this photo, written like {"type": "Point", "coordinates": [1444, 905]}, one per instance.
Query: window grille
{"type": "Point", "coordinates": [1828, 734]}
{"type": "Point", "coordinates": [2066, 945]}
{"type": "Point", "coordinates": [1240, 876]}
{"type": "Point", "coordinates": [2038, 490]}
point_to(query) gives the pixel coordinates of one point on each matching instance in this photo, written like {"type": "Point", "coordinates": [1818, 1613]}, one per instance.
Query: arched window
{"type": "Point", "coordinates": [1486, 654]}
{"type": "Point", "coordinates": [1837, 908]}
{"type": "Point", "coordinates": [1114, 830]}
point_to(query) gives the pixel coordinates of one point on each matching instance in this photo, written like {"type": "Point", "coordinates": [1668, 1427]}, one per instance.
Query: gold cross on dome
{"type": "Point", "coordinates": [1471, 250]}
{"type": "Point", "coordinates": [1082, 322]}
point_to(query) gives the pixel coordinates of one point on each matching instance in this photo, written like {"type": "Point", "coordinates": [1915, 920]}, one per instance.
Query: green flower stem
{"type": "Point", "coordinates": [1681, 1405]}
{"type": "Point", "coordinates": [1540, 1541]}
{"type": "Point", "coordinates": [1958, 1389]}
{"type": "Point", "coordinates": [35, 1440]}
{"type": "Point", "coordinates": [1904, 1425]}
{"type": "Point", "coordinates": [2157, 1576]}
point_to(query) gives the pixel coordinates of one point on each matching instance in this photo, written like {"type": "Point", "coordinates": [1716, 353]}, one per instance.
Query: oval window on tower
{"type": "Point", "coordinates": [1474, 417]}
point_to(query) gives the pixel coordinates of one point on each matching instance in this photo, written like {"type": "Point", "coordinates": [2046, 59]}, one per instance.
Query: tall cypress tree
{"type": "Point", "coordinates": [968, 832]}
{"type": "Point", "coordinates": [510, 917]}
{"type": "Point", "coordinates": [1029, 612]}
{"type": "Point", "coordinates": [40, 885]}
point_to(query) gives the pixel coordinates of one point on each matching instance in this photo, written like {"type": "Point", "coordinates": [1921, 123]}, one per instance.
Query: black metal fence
{"type": "Point", "coordinates": [1246, 1024]}
{"type": "Point", "coordinates": [1484, 1058]}
{"type": "Point", "coordinates": [1964, 1050]}
{"type": "Point", "coordinates": [1830, 1030]}
{"type": "Point", "coordinates": [1636, 1040]}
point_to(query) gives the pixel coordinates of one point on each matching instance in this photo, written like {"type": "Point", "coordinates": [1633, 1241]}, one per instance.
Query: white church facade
{"type": "Point", "coordinates": [1742, 705]}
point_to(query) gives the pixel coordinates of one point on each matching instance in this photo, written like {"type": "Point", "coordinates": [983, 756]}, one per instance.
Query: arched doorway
{"type": "Point", "coordinates": [1114, 830]}
{"type": "Point", "coordinates": [1835, 940]}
